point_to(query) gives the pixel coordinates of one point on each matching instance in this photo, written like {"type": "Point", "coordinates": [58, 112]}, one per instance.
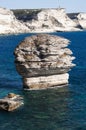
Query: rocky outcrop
{"type": "Point", "coordinates": [43, 61]}
{"type": "Point", "coordinates": [9, 24]}
{"type": "Point", "coordinates": [82, 20]}
{"type": "Point", "coordinates": [11, 102]}
{"type": "Point", "coordinates": [79, 19]}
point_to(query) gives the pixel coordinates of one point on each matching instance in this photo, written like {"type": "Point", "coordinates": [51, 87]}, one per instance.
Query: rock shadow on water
{"type": "Point", "coordinates": [47, 109]}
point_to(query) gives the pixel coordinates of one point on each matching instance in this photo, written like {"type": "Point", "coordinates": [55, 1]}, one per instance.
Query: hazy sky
{"type": "Point", "coordinates": [70, 5]}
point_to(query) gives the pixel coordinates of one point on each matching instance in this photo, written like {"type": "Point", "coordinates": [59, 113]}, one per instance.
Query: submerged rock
{"type": "Point", "coordinates": [11, 102]}
{"type": "Point", "coordinates": [43, 61]}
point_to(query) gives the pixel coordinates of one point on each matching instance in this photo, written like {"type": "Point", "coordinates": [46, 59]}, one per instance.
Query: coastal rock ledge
{"type": "Point", "coordinates": [43, 61]}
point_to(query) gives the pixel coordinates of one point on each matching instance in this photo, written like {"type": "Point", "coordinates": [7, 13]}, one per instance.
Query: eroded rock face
{"type": "Point", "coordinates": [43, 61]}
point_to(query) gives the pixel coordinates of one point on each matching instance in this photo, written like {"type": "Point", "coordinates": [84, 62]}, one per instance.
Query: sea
{"type": "Point", "coordinates": [53, 109]}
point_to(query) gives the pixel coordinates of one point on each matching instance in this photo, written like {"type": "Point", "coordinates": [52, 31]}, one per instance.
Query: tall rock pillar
{"type": "Point", "coordinates": [43, 61]}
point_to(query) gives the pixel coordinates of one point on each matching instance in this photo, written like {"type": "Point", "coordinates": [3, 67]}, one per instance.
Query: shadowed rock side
{"type": "Point", "coordinates": [43, 61]}
{"type": "Point", "coordinates": [82, 20]}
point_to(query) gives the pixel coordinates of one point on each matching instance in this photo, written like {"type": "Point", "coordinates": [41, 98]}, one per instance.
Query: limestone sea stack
{"type": "Point", "coordinates": [43, 61]}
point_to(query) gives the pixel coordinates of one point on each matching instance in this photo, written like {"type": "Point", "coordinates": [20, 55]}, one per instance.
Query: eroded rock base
{"type": "Point", "coordinates": [44, 82]}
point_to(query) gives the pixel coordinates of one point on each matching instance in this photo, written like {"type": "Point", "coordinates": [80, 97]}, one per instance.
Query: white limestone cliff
{"type": "Point", "coordinates": [51, 20]}
{"type": "Point", "coordinates": [9, 24]}
{"type": "Point", "coordinates": [47, 20]}
{"type": "Point", "coordinates": [82, 20]}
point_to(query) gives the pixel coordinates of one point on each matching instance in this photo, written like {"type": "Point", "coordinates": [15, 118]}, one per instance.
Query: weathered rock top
{"type": "Point", "coordinates": [44, 39]}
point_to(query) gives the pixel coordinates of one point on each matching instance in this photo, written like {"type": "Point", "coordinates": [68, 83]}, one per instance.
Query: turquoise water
{"type": "Point", "coordinates": [54, 109]}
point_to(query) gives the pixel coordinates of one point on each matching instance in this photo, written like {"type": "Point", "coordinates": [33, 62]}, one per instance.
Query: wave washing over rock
{"type": "Point", "coordinates": [43, 61]}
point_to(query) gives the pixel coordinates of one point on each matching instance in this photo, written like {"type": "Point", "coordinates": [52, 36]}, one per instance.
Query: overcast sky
{"type": "Point", "coordinates": [70, 5]}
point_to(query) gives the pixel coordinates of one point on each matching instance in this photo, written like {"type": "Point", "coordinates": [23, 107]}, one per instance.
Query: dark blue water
{"type": "Point", "coordinates": [55, 109]}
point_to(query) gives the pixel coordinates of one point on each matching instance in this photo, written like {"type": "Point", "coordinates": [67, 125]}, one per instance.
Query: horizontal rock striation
{"type": "Point", "coordinates": [43, 61]}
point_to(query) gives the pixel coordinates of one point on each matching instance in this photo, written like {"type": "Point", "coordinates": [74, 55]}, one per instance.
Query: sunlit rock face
{"type": "Point", "coordinates": [82, 20]}
{"type": "Point", "coordinates": [43, 61]}
{"type": "Point", "coordinates": [51, 20]}
{"type": "Point", "coordinates": [9, 24]}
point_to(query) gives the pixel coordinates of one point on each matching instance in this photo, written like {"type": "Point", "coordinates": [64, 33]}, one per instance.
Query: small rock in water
{"type": "Point", "coordinates": [11, 102]}
{"type": "Point", "coordinates": [11, 95]}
